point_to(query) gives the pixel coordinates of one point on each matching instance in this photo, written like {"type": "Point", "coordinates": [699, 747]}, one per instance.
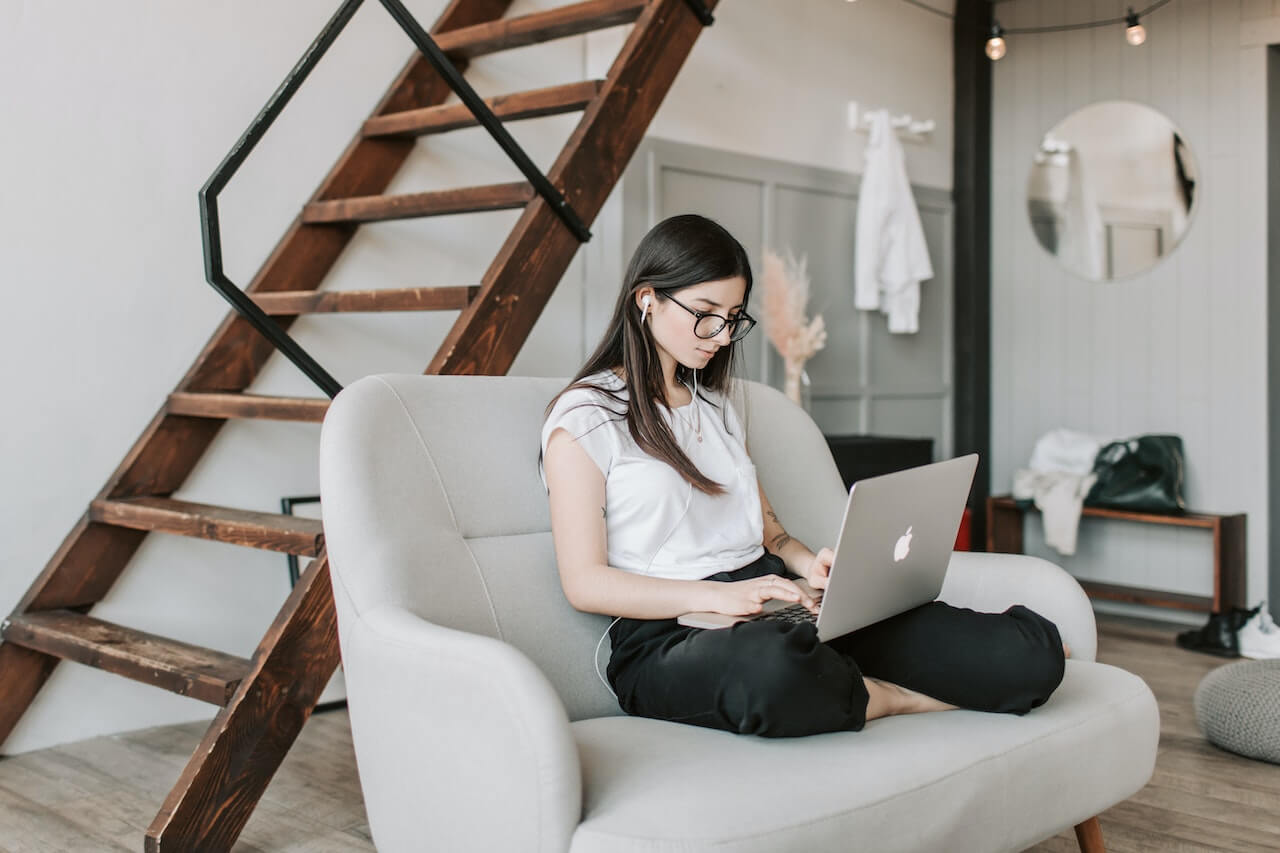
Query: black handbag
{"type": "Point", "coordinates": [1145, 473]}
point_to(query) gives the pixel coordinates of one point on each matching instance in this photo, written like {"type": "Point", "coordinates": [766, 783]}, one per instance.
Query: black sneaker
{"type": "Point", "coordinates": [1218, 636]}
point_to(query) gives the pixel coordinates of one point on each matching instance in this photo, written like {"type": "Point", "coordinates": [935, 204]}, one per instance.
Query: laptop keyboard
{"type": "Point", "coordinates": [792, 613]}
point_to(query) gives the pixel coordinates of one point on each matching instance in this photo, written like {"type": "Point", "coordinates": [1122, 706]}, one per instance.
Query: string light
{"type": "Point", "coordinates": [996, 46]}
{"type": "Point", "coordinates": [1134, 32]}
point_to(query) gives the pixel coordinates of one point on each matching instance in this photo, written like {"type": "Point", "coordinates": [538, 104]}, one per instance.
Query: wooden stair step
{"type": "Point", "coordinates": [377, 208]}
{"type": "Point", "coordinates": [534, 103]}
{"type": "Point", "coordinates": [269, 531]}
{"type": "Point", "coordinates": [561, 22]}
{"type": "Point", "coordinates": [234, 405]}
{"type": "Point", "coordinates": [290, 303]}
{"type": "Point", "coordinates": [200, 673]}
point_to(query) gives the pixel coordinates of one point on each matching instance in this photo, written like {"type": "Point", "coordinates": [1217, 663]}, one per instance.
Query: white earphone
{"type": "Point", "coordinates": [645, 304]}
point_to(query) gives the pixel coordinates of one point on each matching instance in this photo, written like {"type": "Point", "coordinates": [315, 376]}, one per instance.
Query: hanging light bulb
{"type": "Point", "coordinates": [1134, 32]}
{"type": "Point", "coordinates": [996, 46]}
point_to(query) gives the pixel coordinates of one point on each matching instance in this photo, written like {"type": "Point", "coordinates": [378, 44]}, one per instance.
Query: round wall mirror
{"type": "Point", "coordinates": [1112, 190]}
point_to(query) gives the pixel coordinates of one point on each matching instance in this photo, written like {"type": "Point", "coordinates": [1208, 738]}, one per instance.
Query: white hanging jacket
{"type": "Point", "coordinates": [891, 256]}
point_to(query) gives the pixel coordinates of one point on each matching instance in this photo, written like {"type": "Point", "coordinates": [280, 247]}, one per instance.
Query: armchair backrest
{"type": "Point", "coordinates": [432, 502]}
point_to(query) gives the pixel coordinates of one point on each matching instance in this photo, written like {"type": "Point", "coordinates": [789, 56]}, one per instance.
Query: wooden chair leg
{"type": "Point", "coordinates": [1089, 836]}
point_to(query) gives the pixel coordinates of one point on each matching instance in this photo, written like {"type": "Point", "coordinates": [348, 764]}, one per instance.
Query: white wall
{"type": "Point", "coordinates": [116, 114]}
{"type": "Point", "coordinates": [1181, 348]}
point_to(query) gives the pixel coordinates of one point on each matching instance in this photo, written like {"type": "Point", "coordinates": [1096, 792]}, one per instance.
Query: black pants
{"type": "Point", "coordinates": [776, 679]}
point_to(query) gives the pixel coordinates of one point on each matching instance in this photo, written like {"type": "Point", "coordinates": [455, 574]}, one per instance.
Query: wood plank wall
{"type": "Point", "coordinates": [1181, 348]}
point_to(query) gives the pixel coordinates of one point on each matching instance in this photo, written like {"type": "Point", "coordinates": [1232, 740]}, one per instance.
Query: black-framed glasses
{"type": "Point", "coordinates": [708, 325]}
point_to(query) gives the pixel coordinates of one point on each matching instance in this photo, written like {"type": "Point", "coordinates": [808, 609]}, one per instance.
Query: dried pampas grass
{"type": "Point", "coordinates": [786, 296]}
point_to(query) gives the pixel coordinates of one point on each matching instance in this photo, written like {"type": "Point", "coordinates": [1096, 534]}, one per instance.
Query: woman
{"type": "Point", "coordinates": [656, 511]}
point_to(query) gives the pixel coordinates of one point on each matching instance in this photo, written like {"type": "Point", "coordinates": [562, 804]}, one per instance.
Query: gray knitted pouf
{"type": "Point", "coordinates": [1238, 708]}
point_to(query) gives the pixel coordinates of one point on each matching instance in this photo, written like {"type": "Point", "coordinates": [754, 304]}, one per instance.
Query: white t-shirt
{"type": "Point", "coordinates": [656, 522]}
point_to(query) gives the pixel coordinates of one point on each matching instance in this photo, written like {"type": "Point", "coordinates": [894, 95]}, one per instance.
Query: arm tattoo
{"type": "Point", "coordinates": [783, 537]}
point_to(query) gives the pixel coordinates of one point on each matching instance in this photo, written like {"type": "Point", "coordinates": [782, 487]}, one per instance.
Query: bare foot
{"type": "Point", "coordinates": [888, 699]}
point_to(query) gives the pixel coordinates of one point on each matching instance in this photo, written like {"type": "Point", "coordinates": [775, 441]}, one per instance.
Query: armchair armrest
{"type": "Point", "coordinates": [993, 582]}
{"type": "Point", "coordinates": [461, 742]}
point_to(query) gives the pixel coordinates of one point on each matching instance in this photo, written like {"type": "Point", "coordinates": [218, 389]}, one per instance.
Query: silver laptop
{"type": "Point", "coordinates": [892, 553]}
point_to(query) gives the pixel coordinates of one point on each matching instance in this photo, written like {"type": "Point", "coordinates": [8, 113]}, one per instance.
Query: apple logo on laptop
{"type": "Point", "coordinates": [903, 547]}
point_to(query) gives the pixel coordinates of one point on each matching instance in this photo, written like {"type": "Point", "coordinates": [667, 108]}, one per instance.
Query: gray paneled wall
{"type": "Point", "coordinates": [865, 380]}
{"type": "Point", "coordinates": [1180, 348]}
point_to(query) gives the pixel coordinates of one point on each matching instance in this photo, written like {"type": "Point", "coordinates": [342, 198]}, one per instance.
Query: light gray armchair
{"type": "Point", "coordinates": [480, 724]}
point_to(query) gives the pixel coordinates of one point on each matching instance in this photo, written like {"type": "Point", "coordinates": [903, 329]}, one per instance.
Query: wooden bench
{"type": "Point", "coordinates": [1004, 536]}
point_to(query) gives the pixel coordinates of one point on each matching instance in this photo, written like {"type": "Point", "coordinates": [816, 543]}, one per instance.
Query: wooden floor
{"type": "Point", "coordinates": [101, 794]}
{"type": "Point", "coordinates": [1200, 798]}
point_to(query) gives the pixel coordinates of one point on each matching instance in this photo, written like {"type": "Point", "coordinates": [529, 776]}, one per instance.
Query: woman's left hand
{"type": "Point", "coordinates": [819, 570]}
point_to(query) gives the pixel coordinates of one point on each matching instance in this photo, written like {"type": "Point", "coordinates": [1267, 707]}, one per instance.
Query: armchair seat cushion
{"type": "Point", "coordinates": [954, 781]}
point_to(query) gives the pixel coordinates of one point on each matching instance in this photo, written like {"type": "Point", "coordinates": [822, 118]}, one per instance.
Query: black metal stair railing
{"type": "Point", "coordinates": [209, 225]}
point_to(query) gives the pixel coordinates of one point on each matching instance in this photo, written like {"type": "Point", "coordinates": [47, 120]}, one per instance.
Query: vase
{"type": "Point", "coordinates": [796, 386]}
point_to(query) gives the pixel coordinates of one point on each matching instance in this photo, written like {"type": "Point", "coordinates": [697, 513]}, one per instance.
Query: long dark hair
{"type": "Point", "coordinates": [678, 252]}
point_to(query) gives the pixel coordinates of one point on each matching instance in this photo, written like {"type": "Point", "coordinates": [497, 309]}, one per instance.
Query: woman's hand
{"type": "Point", "coordinates": [745, 598]}
{"type": "Point", "coordinates": [818, 572]}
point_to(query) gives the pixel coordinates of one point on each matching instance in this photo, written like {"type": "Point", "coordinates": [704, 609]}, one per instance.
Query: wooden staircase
{"type": "Point", "coordinates": [266, 700]}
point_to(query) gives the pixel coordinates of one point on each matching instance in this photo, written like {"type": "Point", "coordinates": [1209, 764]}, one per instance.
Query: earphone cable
{"type": "Point", "coordinates": [595, 660]}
